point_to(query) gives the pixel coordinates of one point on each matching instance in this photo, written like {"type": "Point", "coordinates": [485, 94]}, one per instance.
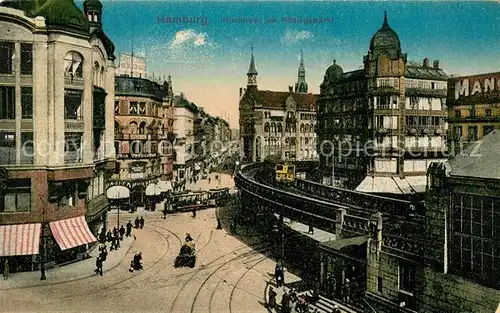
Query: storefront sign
{"type": "Point", "coordinates": [131, 184]}
{"type": "Point", "coordinates": [477, 85]}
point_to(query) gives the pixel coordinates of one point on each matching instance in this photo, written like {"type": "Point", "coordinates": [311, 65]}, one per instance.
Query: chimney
{"type": "Point", "coordinates": [426, 62]}
{"type": "Point", "coordinates": [436, 64]}
{"type": "Point", "coordinates": [290, 89]}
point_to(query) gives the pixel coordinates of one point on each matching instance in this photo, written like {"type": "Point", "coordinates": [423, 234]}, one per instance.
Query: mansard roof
{"type": "Point", "coordinates": [424, 72]}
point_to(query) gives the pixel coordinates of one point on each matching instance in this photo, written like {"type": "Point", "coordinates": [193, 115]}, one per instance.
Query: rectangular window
{"type": "Point", "coordinates": [16, 197]}
{"type": "Point", "coordinates": [488, 112]}
{"type": "Point", "coordinates": [72, 147]}
{"type": "Point", "coordinates": [472, 113]}
{"type": "Point", "coordinates": [7, 103]}
{"type": "Point", "coordinates": [67, 194]}
{"type": "Point", "coordinates": [472, 133]}
{"type": "Point", "coordinates": [7, 53]}
{"type": "Point", "coordinates": [142, 108]}
{"type": "Point", "coordinates": [406, 277]}
{"type": "Point", "coordinates": [379, 284]}
{"type": "Point", "coordinates": [73, 104]}
{"type": "Point", "coordinates": [458, 113]}
{"type": "Point", "coordinates": [133, 108]}
{"type": "Point", "coordinates": [26, 59]}
{"type": "Point", "coordinates": [458, 131]}
{"type": "Point", "coordinates": [27, 102]}
{"type": "Point", "coordinates": [7, 148]}
{"type": "Point", "coordinates": [27, 148]}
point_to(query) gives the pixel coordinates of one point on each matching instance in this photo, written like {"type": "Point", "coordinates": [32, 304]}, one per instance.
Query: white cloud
{"type": "Point", "coordinates": [294, 36]}
{"type": "Point", "coordinates": [189, 37]}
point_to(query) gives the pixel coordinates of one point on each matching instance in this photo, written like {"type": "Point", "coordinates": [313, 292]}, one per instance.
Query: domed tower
{"type": "Point", "coordinates": [93, 12]}
{"type": "Point", "coordinates": [333, 73]}
{"type": "Point", "coordinates": [384, 51]}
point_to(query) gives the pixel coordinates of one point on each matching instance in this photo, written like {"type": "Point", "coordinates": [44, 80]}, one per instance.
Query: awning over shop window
{"type": "Point", "coordinates": [407, 185]}
{"type": "Point", "coordinates": [152, 190]}
{"type": "Point", "coordinates": [19, 239]}
{"type": "Point", "coordinates": [117, 192]}
{"type": "Point", "coordinates": [71, 232]}
{"type": "Point", "coordinates": [164, 186]}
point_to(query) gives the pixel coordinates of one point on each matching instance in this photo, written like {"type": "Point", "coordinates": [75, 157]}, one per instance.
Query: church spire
{"type": "Point", "coordinates": [301, 85]}
{"type": "Point", "coordinates": [252, 73]}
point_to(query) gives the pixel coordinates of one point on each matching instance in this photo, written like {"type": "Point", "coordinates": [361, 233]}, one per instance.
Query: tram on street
{"type": "Point", "coordinates": [218, 197]}
{"type": "Point", "coordinates": [184, 202]}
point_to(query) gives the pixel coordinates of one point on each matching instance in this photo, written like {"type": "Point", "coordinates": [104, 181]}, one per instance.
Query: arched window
{"type": "Point", "coordinates": [73, 64]}
{"type": "Point", "coordinates": [273, 128]}
{"type": "Point", "coordinates": [266, 127]}
{"type": "Point", "coordinates": [132, 128]}
{"type": "Point", "coordinates": [301, 128]}
{"type": "Point", "coordinates": [280, 128]}
{"type": "Point", "coordinates": [142, 128]}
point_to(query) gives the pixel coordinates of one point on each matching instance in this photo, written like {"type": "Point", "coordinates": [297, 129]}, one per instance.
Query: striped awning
{"type": "Point", "coordinates": [71, 232]}
{"type": "Point", "coordinates": [19, 239]}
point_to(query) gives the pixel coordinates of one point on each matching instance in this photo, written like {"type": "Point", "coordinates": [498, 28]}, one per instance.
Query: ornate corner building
{"type": "Point", "coordinates": [56, 116]}
{"type": "Point", "coordinates": [276, 123]}
{"type": "Point", "coordinates": [144, 117]}
{"type": "Point", "coordinates": [381, 126]}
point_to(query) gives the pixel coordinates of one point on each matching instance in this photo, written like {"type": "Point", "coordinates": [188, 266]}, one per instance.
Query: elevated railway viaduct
{"type": "Point", "coordinates": [383, 236]}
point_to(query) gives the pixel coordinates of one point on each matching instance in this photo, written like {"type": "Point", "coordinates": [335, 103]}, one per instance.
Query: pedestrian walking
{"type": "Point", "coordinates": [285, 302]}
{"type": "Point", "coordinates": [278, 273]}
{"type": "Point", "coordinates": [109, 236]}
{"type": "Point", "coordinates": [6, 269]}
{"type": "Point", "coordinates": [141, 222]}
{"type": "Point", "coordinates": [117, 241]}
{"type": "Point", "coordinates": [219, 224]}
{"type": "Point", "coordinates": [354, 290]}
{"type": "Point", "coordinates": [209, 179]}
{"type": "Point", "coordinates": [128, 233]}
{"type": "Point", "coordinates": [165, 211]}
{"type": "Point", "coordinates": [98, 264]}
{"type": "Point", "coordinates": [102, 236]}
{"type": "Point", "coordinates": [271, 299]}
{"type": "Point", "coordinates": [311, 230]}
{"type": "Point", "coordinates": [122, 232]}
{"type": "Point", "coordinates": [193, 212]}
{"type": "Point", "coordinates": [347, 291]}
{"type": "Point", "coordinates": [103, 252]}
{"type": "Point", "coordinates": [137, 222]}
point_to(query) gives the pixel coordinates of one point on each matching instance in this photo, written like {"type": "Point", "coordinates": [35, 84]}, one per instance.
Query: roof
{"type": "Point", "coordinates": [393, 185]}
{"type": "Point", "coordinates": [181, 102]}
{"type": "Point", "coordinates": [277, 99]}
{"type": "Point", "coordinates": [342, 243]}
{"type": "Point", "coordinates": [480, 160]}
{"type": "Point", "coordinates": [63, 14]}
{"type": "Point", "coordinates": [354, 75]}
{"type": "Point", "coordinates": [424, 72]}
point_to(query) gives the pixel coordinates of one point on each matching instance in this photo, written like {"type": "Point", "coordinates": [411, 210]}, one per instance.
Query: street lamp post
{"type": "Point", "coordinates": [118, 218]}
{"type": "Point", "coordinates": [44, 250]}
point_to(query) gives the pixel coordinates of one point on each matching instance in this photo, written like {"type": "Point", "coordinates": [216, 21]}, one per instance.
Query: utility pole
{"type": "Point", "coordinates": [333, 170]}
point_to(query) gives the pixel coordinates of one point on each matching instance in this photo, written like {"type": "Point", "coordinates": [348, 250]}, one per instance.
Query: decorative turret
{"type": "Point", "coordinates": [252, 74]}
{"type": "Point", "coordinates": [93, 12]}
{"type": "Point", "coordinates": [301, 85]}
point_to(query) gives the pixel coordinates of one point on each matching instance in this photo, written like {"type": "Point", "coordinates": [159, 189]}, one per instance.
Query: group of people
{"type": "Point", "coordinates": [114, 237]}
{"type": "Point", "coordinates": [290, 297]}
{"type": "Point", "coordinates": [349, 291]}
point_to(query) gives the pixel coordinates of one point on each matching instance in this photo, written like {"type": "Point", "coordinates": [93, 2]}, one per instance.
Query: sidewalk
{"type": "Point", "coordinates": [75, 271]}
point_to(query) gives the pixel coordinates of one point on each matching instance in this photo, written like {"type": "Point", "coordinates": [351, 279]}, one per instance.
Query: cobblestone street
{"type": "Point", "coordinates": [228, 277]}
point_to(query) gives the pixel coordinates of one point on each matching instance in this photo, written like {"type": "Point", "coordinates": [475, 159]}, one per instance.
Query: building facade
{"type": "Point", "coordinates": [463, 222]}
{"type": "Point", "coordinates": [473, 108]}
{"type": "Point", "coordinates": [185, 115]}
{"type": "Point", "coordinates": [143, 134]}
{"type": "Point", "coordinates": [57, 90]}
{"type": "Point", "coordinates": [275, 123]}
{"type": "Point", "coordinates": [381, 126]}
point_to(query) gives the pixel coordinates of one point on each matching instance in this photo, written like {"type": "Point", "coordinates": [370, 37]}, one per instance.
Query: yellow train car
{"type": "Point", "coordinates": [285, 173]}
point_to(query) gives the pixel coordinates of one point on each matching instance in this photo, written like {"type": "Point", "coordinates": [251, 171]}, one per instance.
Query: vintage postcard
{"type": "Point", "coordinates": [249, 156]}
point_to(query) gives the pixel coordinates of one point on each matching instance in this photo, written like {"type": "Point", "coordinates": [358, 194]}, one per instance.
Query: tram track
{"type": "Point", "coordinates": [190, 279]}
{"type": "Point", "coordinates": [108, 288]}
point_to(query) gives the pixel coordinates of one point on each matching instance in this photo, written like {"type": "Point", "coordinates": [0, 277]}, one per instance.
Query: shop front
{"type": "Point", "coordinates": [343, 261]}
{"type": "Point", "coordinates": [19, 246]}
